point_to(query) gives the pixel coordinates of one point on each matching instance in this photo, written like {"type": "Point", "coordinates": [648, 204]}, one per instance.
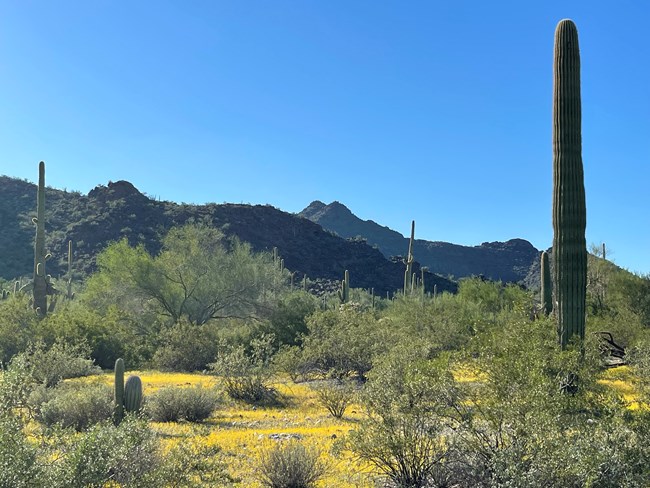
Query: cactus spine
{"type": "Point", "coordinates": [409, 262]}
{"type": "Point", "coordinates": [546, 291]}
{"type": "Point", "coordinates": [344, 292]}
{"type": "Point", "coordinates": [569, 210]}
{"type": "Point", "coordinates": [40, 281]}
{"type": "Point", "coordinates": [133, 394]}
{"type": "Point", "coordinates": [118, 398]}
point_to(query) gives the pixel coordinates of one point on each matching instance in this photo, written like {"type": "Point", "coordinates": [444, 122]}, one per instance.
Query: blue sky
{"type": "Point", "coordinates": [433, 111]}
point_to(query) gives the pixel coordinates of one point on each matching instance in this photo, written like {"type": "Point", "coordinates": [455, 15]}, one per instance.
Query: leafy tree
{"type": "Point", "coordinates": [199, 275]}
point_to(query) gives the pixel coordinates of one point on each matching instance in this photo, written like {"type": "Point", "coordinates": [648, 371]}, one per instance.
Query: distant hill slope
{"type": "Point", "coordinates": [119, 210]}
{"type": "Point", "coordinates": [508, 261]}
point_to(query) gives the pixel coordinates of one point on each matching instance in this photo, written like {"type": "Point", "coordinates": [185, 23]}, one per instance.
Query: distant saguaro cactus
{"type": "Point", "coordinates": [408, 274]}
{"type": "Point", "coordinates": [569, 210]}
{"type": "Point", "coordinates": [40, 283]}
{"type": "Point", "coordinates": [344, 292]}
{"type": "Point", "coordinates": [546, 291]}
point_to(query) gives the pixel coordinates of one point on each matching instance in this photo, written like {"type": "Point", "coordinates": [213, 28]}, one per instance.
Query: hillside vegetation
{"type": "Point", "coordinates": [461, 389]}
{"type": "Point", "coordinates": [119, 211]}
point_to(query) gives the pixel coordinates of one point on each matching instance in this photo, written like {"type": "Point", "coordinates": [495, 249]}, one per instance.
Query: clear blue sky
{"type": "Point", "coordinates": [433, 111]}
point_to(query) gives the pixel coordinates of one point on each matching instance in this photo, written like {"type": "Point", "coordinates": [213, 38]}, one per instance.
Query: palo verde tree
{"type": "Point", "coordinates": [199, 275]}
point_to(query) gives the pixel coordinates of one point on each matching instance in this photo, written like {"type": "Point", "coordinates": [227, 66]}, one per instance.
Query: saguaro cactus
{"type": "Point", "coordinates": [40, 277]}
{"type": "Point", "coordinates": [569, 211]}
{"type": "Point", "coordinates": [118, 398]}
{"type": "Point", "coordinates": [69, 293]}
{"type": "Point", "coordinates": [409, 262]}
{"type": "Point", "coordinates": [344, 292]}
{"type": "Point", "coordinates": [133, 394]}
{"type": "Point", "coordinates": [546, 292]}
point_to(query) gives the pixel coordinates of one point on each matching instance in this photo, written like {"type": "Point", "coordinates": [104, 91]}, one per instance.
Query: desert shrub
{"type": "Point", "coordinates": [186, 347]}
{"type": "Point", "coordinates": [343, 343]}
{"type": "Point", "coordinates": [290, 465]}
{"type": "Point", "coordinates": [17, 325]}
{"type": "Point", "coordinates": [444, 324]}
{"type": "Point", "coordinates": [19, 466]}
{"type": "Point", "coordinates": [50, 365]}
{"type": "Point", "coordinates": [287, 321]}
{"type": "Point", "coordinates": [172, 404]}
{"type": "Point", "coordinates": [191, 464]}
{"type": "Point", "coordinates": [335, 397]}
{"type": "Point", "coordinates": [128, 454]}
{"type": "Point", "coordinates": [406, 433]}
{"type": "Point", "coordinates": [288, 360]}
{"type": "Point", "coordinates": [247, 376]}
{"type": "Point", "coordinates": [108, 335]}
{"type": "Point", "coordinates": [76, 406]}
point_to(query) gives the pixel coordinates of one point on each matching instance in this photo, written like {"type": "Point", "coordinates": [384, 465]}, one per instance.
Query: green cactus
{"type": "Point", "coordinates": [408, 283]}
{"type": "Point", "coordinates": [69, 294]}
{"type": "Point", "coordinates": [304, 283]}
{"type": "Point", "coordinates": [569, 210]}
{"type": "Point", "coordinates": [118, 398]}
{"type": "Point", "coordinates": [133, 394]}
{"type": "Point", "coordinates": [40, 285]}
{"type": "Point", "coordinates": [344, 292]}
{"type": "Point", "coordinates": [546, 291]}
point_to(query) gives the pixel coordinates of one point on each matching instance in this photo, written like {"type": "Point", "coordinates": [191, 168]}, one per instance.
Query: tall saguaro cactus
{"type": "Point", "coordinates": [408, 274]}
{"type": "Point", "coordinates": [569, 210]}
{"type": "Point", "coordinates": [546, 291]}
{"type": "Point", "coordinates": [344, 292]}
{"type": "Point", "coordinates": [118, 396]}
{"type": "Point", "coordinates": [40, 277]}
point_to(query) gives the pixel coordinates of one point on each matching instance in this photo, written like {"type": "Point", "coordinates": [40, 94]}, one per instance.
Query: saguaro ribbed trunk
{"type": "Point", "coordinates": [569, 210]}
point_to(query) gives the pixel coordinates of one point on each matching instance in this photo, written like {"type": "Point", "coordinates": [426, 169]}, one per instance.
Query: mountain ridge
{"type": "Point", "coordinates": [508, 261]}
{"type": "Point", "coordinates": [119, 210]}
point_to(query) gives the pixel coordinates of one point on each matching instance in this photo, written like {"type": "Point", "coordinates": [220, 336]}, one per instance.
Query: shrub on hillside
{"type": "Point", "coordinates": [76, 406]}
{"type": "Point", "coordinates": [290, 465]}
{"type": "Point", "coordinates": [17, 325]}
{"type": "Point", "coordinates": [128, 455]}
{"type": "Point", "coordinates": [335, 397]}
{"type": "Point", "coordinates": [186, 347]}
{"type": "Point", "coordinates": [50, 365]}
{"type": "Point", "coordinates": [342, 343]}
{"type": "Point", "coordinates": [173, 404]}
{"type": "Point", "coordinates": [19, 466]}
{"type": "Point", "coordinates": [247, 376]}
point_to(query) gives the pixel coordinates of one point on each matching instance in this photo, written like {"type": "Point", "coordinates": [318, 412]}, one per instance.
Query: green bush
{"type": "Point", "coordinates": [17, 326]}
{"type": "Point", "coordinates": [186, 347]}
{"type": "Point", "coordinates": [50, 365]}
{"type": "Point", "coordinates": [128, 454]}
{"type": "Point", "coordinates": [19, 466]}
{"type": "Point", "coordinates": [245, 376]}
{"type": "Point", "coordinates": [343, 343]}
{"type": "Point", "coordinates": [173, 404]}
{"type": "Point", "coordinates": [76, 406]}
{"type": "Point", "coordinates": [287, 322]}
{"type": "Point", "coordinates": [407, 434]}
{"type": "Point", "coordinates": [335, 397]}
{"type": "Point", "coordinates": [290, 465]}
